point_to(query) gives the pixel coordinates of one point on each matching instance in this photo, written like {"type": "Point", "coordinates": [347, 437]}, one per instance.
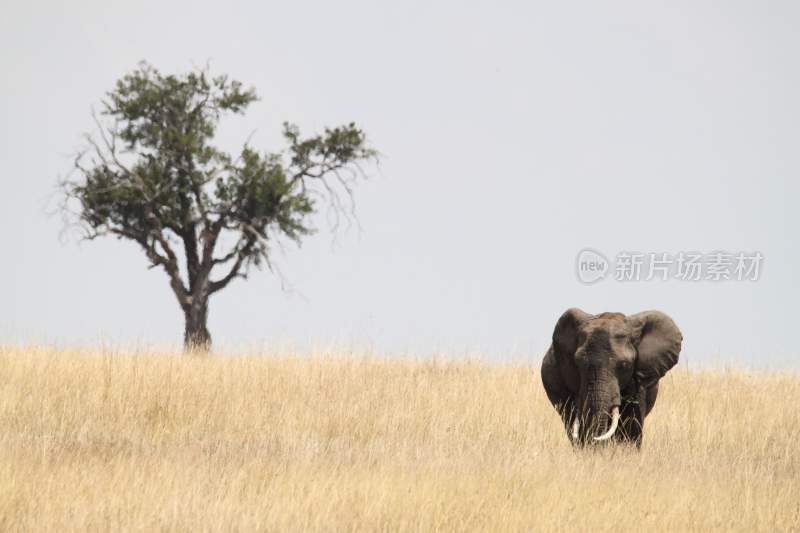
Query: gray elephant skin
{"type": "Point", "coordinates": [601, 372]}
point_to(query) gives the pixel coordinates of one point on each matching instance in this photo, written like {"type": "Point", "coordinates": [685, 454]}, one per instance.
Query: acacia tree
{"type": "Point", "coordinates": [151, 175]}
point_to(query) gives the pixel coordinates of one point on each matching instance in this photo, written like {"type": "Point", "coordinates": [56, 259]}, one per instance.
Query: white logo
{"type": "Point", "coordinates": [591, 266]}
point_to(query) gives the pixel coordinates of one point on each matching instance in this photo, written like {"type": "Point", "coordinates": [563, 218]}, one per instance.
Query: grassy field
{"type": "Point", "coordinates": [109, 441]}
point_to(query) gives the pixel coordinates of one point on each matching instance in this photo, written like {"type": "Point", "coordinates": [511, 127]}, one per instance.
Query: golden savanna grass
{"type": "Point", "coordinates": [109, 441]}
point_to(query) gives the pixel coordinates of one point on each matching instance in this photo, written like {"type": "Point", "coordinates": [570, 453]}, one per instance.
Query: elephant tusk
{"type": "Point", "coordinates": [575, 427]}
{"type": "Point", "coordinates": [614, 423]}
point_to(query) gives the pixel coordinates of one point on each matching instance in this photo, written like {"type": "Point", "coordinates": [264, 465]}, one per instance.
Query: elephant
{"type": "Point", "coordinates": [601, 372]}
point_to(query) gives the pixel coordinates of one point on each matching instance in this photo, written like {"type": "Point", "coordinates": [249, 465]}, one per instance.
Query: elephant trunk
{"type": "Point", "coordinates": [600, 408]}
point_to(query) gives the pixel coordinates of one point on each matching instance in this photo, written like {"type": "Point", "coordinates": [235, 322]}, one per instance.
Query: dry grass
{"type": "Point", "coordinates": [100, 441]}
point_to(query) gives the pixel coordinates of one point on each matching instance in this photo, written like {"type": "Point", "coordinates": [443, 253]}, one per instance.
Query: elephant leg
{"type": "Point", "coordinates": [631, 425]}
{"type": "Point", "coordinates": [649, 397]}
{"type": "Point", "coordinates": [569, 412]}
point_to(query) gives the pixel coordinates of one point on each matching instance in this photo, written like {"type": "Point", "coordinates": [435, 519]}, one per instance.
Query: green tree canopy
{"type": "Point", "coordinates": [151, 174]}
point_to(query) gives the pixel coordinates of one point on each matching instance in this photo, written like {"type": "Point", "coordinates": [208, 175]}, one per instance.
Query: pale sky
{"type": "Point", "coordinates": [514, 135]}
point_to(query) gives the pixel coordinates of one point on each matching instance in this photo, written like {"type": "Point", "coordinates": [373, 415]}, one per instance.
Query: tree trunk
{"type": "Point", "coordinates": [196, 337]}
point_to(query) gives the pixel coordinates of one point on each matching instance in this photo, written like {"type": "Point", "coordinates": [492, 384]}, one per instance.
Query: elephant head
{"type": "Point", "coordinates": [601, 371]}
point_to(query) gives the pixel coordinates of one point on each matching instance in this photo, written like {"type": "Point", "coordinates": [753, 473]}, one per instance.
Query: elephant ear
{"type": "Point", "coordinates": [565, 334]}
{"type": "Point", "coordinates": [559, 375]}
{"type": "Point", "coordinates": [658, 346]}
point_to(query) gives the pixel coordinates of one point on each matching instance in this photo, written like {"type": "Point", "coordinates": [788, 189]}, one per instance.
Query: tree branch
{"type": "Point", "coordinates": [169, 264]}
{"type": "Point", "coordinates": [156, 231]}
{"type": "Point", "coordinates": [250, 237]}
